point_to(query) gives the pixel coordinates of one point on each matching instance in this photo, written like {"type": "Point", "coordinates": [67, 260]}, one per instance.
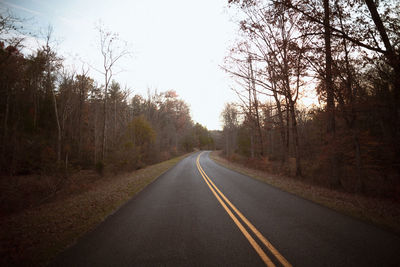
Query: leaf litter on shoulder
{"type": "Point", "coordinates": [34, 236]}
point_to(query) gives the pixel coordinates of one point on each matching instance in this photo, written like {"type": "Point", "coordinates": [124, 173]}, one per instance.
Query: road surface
{"type": "Point", "coordinates": [201, 214]}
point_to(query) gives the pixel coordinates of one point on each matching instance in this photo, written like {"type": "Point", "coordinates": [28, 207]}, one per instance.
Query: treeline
{"type": "Point", "coordinates": [345, 52]}
{"type": "Point", "coordinates": [53, 119]}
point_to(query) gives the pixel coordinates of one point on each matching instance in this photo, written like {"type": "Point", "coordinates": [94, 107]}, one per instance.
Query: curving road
{"type": "Point", "coordinates": [201, 214]}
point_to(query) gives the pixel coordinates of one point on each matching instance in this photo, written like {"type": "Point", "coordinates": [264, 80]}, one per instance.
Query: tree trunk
{"type": "Point", "coordinates": [251, 145]}
{"type": "Point", "coordinates": [80, 120]}
{"type": "Point", "coordinates": [287, 128]}
{"type": "Point", "coordinates": [95, 132]}
{"type": "Point", "coordinates": [115, 122]}
{"type": "Point", "coordinates": [296, 143]}
{"type": "Point", "coordinates": [5, 130]}
{"type": "Point", "coordinates": [357, 148]}
{"type": "Point", "coordinates": [281, 124]}
{"type": "Point", "coordinates": [103, 146]}
{"type": "Point", "coordinates": [390, 53]}
{"type": "Point", "coordinates": [258, 125]}
{"type": "Point", "coordinates": [330, 104]}
{"type": "Point", "coordinates": [330, 101]}
{"type": "Point", "coordinates": [394, 62]}
{"type": "Point", "coordinates": [59, 136]}
{"type": "Point", "coordinates": [35, 104]}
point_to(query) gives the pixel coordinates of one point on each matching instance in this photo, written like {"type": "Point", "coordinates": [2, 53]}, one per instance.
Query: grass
{"type": "Point", "coordinates": [384, 213]}
{"type": "Point", "coordinates": [34, 236]}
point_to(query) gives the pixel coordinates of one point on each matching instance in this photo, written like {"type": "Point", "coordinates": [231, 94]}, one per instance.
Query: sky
{"type": "Point", "coordinates": [176, 45]}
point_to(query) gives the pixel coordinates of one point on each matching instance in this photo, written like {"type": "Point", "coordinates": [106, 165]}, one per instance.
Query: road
{"type": "Point", "coordinates": [201, 214]}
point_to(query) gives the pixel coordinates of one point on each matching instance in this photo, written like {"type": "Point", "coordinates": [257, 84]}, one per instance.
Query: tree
{"type": "Point", "coordinates": [363, 36]}
{"type": "Point", "coordinates": [11, 29]}
{"type": "Point", "coordinates": [276, 64]}
{"type": "Point", "coordinates": [330, 104]}
{"type": "Point", "coordinates": [49, 113]}
{"type": "Point", "coordinates": [112, 49]}
{"type": "Point", "coordinates": [203, 139]}
{"type": "Point", "coordinates": [230, 127]}
{"type": "Point", "coordinates": [115, 96]}
{"type": "Point", "coordinates": [11, 63]}
{"type": "Point", "coordinates": [84, 85]}
{"type": "Point", "coordinates": [53, 64]}
{"type": "Point", "coordinates": [357, 81]}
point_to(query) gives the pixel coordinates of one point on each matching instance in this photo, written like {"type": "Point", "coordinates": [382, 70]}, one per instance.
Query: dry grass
{"type": "Point", "coordinates": [382, 212]}
{"type": "Point", "coordinates": [35, 235]}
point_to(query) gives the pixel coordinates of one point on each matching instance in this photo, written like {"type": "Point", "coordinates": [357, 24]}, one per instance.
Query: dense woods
{"type": "Point", "coordinates": [55, 120]}
{"type": "Point", "coordinates": [345, 52]}
{"type": "Point", "coordinates": [87, 161]}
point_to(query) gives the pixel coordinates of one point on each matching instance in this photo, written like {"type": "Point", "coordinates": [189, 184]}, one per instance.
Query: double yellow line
{"type": "Point", "coordinates": [218, 195]}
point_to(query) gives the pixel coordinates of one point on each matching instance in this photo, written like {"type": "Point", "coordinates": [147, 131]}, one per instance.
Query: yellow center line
{"type": "Point", "coordinates": [252, 242]}
{"type": "Point", "coordinates": [271, 248]}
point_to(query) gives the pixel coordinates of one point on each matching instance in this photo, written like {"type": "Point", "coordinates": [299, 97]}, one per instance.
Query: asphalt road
{"type": "Point", "coordinates": [202, 214]}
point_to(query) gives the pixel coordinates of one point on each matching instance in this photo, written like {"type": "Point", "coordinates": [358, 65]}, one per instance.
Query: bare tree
{"type": "Point", "coordinates": [330, 104]}
{"type": "Point", "coordinates": [277, 64]}
{"type": "Point", "coordinates": [11, 29]}
{"type": "Point", "coordinates": [112, 49]}
{"type": "Point", "coordinates": [53, 64]}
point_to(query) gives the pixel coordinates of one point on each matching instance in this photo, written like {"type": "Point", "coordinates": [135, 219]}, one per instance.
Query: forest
{"type": "Point", "coordinates": [96, 171]}
{"type": "Point", "coordinates": [55, 120]}
{"type": "Point", "coordinates": [346, 54]}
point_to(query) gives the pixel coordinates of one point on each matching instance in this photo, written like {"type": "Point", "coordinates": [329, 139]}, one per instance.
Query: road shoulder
{"type": "Point", "coordinates": [380, 212]}
{"type": "Point", "coordinates": [35, 236]}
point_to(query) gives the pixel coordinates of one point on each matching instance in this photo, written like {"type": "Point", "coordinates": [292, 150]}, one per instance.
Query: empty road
{"type": "Point", "coordinates": [201, 214]}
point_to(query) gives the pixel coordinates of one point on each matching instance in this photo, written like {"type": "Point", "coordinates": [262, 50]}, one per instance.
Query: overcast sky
{"type": "Point", "coordinates": [176, 44]}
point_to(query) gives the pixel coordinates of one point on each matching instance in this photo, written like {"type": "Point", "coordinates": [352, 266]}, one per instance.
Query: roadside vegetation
{"type": "Point", "coordinates": [33, 236]}
{"type": "Point", "coordinates": [58, 120]}
{"type": "Point", "coordinates": [318, 86]}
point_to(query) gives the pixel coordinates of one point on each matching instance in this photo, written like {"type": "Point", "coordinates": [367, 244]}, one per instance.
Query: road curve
{"type": "Point", "coordinates": [201, 214]}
